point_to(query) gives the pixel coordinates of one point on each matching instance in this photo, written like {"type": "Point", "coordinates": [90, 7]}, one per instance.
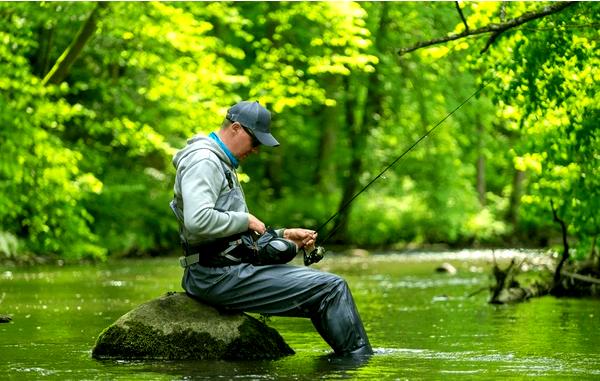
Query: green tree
{"type": "Point", "coordinates": [96, 98]}
{"type": "Point", "coordinates": [550, 88]}
{"type": "Point", "coordinates": [42, 186]}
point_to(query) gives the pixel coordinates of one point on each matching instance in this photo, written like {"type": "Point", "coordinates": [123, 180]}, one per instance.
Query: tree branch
{"type": "Point", "coordinates": [495, 28]}
{"type": "Point", "coordinates": [61, 67]}
{"type": "Point", "coordinates": [490, 41]}
{"type": "Point", "coordinates": [583, 278]}
{"type": "Point", "coordinates": [462, 17]}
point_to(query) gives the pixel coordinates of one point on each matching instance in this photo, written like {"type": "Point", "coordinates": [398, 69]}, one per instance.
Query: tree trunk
{"type": "Point", "coordinates": [362, 113]}
{"type": "Point", "coordinates": [565, 255]}
{"type": "Point", "coordinates": [339, 231]}
{"type": "Point", "coordinates": [481, 188]}
{"type": "Point", "coordinates": [481, 178]}
{"type": "Point", "coordinates": [515, 197]}
{"type": "Point", "coordinates": [325, 170]}
{"type": "Point", "coordinates": [61, 67]}
{"type": "Point", "coordinates": [423, 109]}
{"type": "Point", "coordinates": [275, 163]}
{"type": "Point", "coordinates": [45, 37]}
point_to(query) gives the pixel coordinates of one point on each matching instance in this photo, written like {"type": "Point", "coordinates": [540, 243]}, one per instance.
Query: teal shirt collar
{"type": "Point", "coordinates": [232, 158]}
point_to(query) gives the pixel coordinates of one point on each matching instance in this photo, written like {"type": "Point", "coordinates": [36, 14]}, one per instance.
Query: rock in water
{"type": "Point", "coordinates": [177, 327]}
{"type": "Point", "coordinates": [446, 268]}
{"type": "Point", "coordinates": [5, 319]}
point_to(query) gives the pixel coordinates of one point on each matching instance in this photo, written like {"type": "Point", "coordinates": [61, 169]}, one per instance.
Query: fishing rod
{"type": "Point", "coordinates": [315, 254]}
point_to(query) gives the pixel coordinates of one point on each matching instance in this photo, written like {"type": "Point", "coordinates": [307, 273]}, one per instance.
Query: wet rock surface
{"type": "Point", "coordinates": [178, 327]}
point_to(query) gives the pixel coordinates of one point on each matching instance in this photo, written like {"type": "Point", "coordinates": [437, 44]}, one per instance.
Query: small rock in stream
{"type": "Point", "coordinates": [446, 268]}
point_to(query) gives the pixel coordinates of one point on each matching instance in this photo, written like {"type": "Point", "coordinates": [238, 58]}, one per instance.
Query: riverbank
{"type": "Point", "coordinates": [32, 259]}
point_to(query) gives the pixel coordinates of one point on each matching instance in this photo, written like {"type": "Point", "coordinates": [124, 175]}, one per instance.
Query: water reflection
{"type": "Point", "coordinates": [341, 365]}
{"type": "Point", "coordinates": [423, 325]}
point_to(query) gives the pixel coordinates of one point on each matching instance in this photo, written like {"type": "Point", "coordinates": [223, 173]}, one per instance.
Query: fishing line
{"type": "Point", "coordinates": [343, 207]}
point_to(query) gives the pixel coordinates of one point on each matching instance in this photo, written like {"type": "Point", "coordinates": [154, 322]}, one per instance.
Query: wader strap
{"type": "Point", "coordinates": [209, 259]}
{"type": "Point", "coordinates": [189, 260]}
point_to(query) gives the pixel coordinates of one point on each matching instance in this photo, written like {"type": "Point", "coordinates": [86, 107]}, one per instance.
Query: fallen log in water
{"type": "Point", "coordinates": [519, 294]}
{"type": "Point", "coordinates": [575, 281]}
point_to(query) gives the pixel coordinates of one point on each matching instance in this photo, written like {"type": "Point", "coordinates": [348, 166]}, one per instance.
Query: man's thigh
{"type": "Point", "coordinates": [284, 290]}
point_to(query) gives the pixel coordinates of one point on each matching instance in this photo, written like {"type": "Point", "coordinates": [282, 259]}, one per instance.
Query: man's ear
{"type": "Point", "coordinates": [236, 126]}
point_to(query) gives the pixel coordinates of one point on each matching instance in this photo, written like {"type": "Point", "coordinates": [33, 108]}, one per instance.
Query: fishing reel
{"type": "Point", "coordinates": [312, 254]}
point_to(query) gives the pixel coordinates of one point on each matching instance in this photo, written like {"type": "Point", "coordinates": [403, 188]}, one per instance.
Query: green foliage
{"type": "Point", "coordinates": [549, 89]}
{"type": "Point", "coordinates": [86, 172]}
{"type": "Point", "coordinates": [42, 186]}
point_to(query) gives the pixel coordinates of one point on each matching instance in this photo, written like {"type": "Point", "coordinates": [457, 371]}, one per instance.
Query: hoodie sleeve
{"type": "Point", "coordinates": [200, 187]}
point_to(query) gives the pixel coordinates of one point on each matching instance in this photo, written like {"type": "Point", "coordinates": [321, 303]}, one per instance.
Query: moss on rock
{"type": "Point", "coordinates": [257, 341]}
{"type": "Point", "coordinates": [176, 326]}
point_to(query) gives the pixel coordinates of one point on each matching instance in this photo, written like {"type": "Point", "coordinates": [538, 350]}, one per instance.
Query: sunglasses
{"type": "Point", "coordinates": [255, 141]}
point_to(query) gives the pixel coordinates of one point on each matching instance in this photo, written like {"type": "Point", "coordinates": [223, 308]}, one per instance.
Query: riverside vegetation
{"type": "Point", "coordinates": [96, 97]}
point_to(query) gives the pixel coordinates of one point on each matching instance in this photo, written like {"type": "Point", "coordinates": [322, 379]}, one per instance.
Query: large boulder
{"type": "Point", "coordinates": [177, 327]}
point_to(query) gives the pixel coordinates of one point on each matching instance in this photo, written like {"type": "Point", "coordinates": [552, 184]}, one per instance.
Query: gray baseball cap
{"type": "Point", "coordinates": [254, 117]}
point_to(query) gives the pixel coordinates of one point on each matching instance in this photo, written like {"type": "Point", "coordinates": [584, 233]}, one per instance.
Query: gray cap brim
{"type": "Point", "coordinates": [266, 138]}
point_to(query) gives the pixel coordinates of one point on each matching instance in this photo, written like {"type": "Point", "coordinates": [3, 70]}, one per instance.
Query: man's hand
{"type": "Point", "coordinates": [255, 224]}
{"type": "Point", "coordinates": [301, 237]}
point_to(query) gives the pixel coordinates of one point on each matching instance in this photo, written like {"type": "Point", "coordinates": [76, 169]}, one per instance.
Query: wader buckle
{"type": "Point", "coordinates": [190, 259]}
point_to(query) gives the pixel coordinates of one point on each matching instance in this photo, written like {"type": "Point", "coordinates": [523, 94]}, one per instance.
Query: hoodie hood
{"type": "Point", "coordinates": [197, 143]}
{"type": "Point", "coordinates": [207, 184]}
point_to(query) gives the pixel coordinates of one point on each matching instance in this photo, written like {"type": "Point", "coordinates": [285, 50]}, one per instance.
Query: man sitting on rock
{"type": "Point", "coordinates": [232, 261]}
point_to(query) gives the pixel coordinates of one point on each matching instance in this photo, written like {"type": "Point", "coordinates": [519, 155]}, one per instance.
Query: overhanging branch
{"type": "Point", "coordinates": [495, 28]}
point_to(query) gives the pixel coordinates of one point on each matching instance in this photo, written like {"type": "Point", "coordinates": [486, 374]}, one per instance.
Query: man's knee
{"type": "Point", "coordinates": [340, 283]}
{"type": "Point", "coordinates": [338, 286]}
{"type": "Point", "coordinates": [331, 281]}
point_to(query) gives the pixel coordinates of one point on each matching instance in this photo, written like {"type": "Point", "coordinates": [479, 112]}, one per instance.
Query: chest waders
{"type": "Point", "coordinates": [250, 274]}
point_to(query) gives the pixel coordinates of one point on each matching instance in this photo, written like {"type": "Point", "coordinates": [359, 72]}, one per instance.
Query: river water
{"type": "Point", "coordinates": [422, 324]}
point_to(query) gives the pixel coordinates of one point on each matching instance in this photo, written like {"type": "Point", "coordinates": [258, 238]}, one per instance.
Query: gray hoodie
{"type": "Point", "coordinates": [209, 201]}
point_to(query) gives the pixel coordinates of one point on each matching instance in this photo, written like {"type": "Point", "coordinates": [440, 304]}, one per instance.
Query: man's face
{"type": "Point", "coordinates": [248, 143]}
